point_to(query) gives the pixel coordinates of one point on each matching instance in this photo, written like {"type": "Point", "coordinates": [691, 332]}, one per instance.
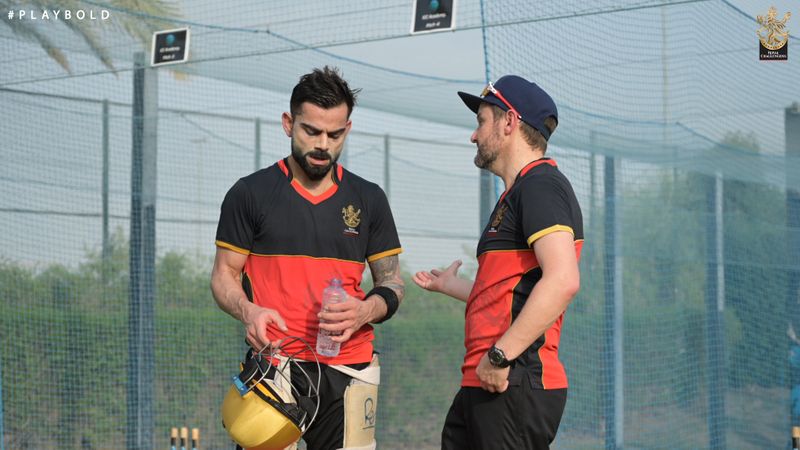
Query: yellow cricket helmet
{"type": "Point", "coordinates": [260, 419]}
{"type": "Point", "coordinates": [257, 412]}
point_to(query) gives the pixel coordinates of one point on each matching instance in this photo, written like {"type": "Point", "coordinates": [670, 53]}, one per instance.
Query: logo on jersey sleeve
{"type": "Point", "coordinates": [352, 218]}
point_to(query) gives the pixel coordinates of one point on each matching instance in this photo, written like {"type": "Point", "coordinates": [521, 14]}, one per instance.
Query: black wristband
{"type": "Point", "coordinates": [390, 297]}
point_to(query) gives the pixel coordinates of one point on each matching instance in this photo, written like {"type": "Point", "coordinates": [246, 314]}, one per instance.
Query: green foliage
{"type": "Point", "coordinates": [65, 331]}
{"type": "Point", "coordinates": [755, 275]}
{"type": "Point", "coordinates": [664, 289]}
{"type": "Point", "coordinates": [68, 355]}
{"type": "Point", "coordinates": [422, 348]}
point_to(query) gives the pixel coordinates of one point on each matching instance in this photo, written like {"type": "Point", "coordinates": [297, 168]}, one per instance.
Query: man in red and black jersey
{"type": "Point", "coordinates": [514, 388]}
{"type": "Point", "coordinates": [286, 231]}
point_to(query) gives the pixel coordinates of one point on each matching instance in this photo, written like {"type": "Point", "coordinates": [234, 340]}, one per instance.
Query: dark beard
{"type": "Point", "coordinates": [314, 173]}
{"type": "Point", "coordinates": [483, 160]}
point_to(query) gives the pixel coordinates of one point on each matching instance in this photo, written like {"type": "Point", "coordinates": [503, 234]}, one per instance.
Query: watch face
{"type": "Point", "coordinates": [496, 356]}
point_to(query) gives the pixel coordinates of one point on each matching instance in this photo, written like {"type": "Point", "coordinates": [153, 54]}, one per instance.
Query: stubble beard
{"type": "Point", "coordinates": [484, 158]}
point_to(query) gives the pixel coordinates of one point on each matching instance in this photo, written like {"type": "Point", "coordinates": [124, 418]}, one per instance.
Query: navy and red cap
{"type": "Point", "coordinates": [532, 103]}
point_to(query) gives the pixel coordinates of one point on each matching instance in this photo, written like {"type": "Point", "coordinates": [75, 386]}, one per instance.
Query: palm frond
{"type": "Point", "coordinates": [145, 17]}
{"type": "Point", "coordinates": [87, 32]}
{"type": "Point", "coordinates": [136, 18]}
{"type": "Point", "coordinates": [27, 30]}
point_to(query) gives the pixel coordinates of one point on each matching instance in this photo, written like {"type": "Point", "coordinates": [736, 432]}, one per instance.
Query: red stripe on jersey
{"type": "Point", "coordinates": [488, 313]}
{"type": "Point", "coordinates": [527, 168]}
{"type": "Point", "coordinates": [578, 248]}
{"type": "Point", "coordinates": [314, 199]}
{"type": "Point", "coordinates": [282, 166]}
{"type": "Point", "coordinates": [553, 374]}
{"type": "Point", "coordinates": [293, 285]}
{"type": "Point", "coordinates": [538, 162]}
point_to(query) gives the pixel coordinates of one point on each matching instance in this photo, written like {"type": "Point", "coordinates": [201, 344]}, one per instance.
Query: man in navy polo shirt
{"type": "Point", "coordinates": [514, 388]}
{"type": "Point", "coordinates": [286, 231]}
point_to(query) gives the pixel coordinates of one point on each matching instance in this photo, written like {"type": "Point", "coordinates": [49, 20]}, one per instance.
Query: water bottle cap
{"type": "Point", "coordinates": [336, 282]}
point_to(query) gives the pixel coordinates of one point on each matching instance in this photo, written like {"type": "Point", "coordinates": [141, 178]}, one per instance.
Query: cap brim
{"type": "Point", "coordinates": [473, 102]}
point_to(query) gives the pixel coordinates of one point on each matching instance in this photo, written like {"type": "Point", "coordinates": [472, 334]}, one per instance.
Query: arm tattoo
{"type": "Point", "coordinates": [386, 272]}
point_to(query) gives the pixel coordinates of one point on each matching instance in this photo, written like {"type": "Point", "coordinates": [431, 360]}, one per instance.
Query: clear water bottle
{"type": "Point", "coordinates": [332, 294]}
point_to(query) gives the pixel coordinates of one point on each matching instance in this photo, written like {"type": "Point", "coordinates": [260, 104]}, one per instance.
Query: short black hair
{"type": "Point", "coordinates": [325, 88]}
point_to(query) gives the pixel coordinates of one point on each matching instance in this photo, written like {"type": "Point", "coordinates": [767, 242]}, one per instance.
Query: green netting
{"type": "Point", "coordinates": [681, 145]}
{"type": "Point", "coordinates": [703, 293]}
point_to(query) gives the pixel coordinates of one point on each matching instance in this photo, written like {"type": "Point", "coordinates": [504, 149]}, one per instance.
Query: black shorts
{"type": "Point", "coordinates": [521, 418]}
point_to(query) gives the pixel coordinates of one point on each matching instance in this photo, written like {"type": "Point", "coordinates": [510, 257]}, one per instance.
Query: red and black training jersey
{"type": "Point", "coordinates": [540, 201]}
{"type": "Point", "coordinates": [296, 243]}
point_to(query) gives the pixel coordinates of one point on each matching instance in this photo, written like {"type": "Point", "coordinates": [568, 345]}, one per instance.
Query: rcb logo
{"type": "Point", "coordinates": [498, 218]}
{"type": "Point", "coordinates": [351, 217]}
{"type": "Point", "coordinates": [774, 36]}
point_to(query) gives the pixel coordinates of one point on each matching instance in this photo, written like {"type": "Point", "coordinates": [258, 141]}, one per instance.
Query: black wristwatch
{"type": "Point", "coordinates": [497, 358]}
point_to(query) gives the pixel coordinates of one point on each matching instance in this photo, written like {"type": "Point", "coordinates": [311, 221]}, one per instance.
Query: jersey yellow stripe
{"type": "Point", "coordinates": [232, 247]}
{"type": "Point", "coordinates": [377, 256]}
{"type": "Point", "coordinates": [547, 231]}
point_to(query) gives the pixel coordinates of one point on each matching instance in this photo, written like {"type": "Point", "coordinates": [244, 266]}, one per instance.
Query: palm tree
{"type": "Point", "coordinates": [136, 18]}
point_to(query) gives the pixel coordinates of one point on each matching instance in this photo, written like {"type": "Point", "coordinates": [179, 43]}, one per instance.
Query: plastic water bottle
{"type": "Point", "coordinates": [332, 294]}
